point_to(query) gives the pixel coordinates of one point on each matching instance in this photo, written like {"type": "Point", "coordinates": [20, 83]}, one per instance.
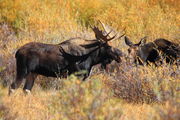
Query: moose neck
{"type": "Point", "coordinates": [96, 57]}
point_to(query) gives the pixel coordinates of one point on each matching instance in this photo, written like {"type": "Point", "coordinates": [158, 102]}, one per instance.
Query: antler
{"type": "Point", "coordinates": [100, 34]}
{"type": "Point", "coordinates": [113, 32]}
{"type": "Point", "coordinates": [124, 30]}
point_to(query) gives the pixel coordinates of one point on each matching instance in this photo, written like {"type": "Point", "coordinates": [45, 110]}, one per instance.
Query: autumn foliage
{"type": "Point", "coordinates": [127, 92]}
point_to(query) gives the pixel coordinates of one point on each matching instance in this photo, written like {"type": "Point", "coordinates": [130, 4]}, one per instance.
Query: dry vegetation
{"type": "Point", "coordinates": [127, 93]}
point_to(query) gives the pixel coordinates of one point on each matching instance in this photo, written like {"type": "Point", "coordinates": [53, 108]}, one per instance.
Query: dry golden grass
{"type": "Point", "coordinates": [128, 93]}
{"type": "Point", "coordinates": [84, 100]}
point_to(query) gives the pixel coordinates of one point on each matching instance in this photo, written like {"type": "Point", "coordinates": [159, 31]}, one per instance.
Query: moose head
{"type": "Point", "coordinates": [135, 51]}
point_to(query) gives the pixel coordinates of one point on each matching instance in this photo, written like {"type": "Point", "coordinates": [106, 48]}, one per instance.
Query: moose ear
{"type": "Point", "coordinates": [128, 42]}
{"type": "Point", "coordinates": [142, 41]}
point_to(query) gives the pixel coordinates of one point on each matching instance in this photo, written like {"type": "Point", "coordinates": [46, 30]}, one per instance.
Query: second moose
{"type": "Point", "coordinates": [154, 52]}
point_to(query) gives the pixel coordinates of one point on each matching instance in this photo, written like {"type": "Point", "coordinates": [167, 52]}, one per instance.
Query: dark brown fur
{"type": "Point", "coordinates": [70, 56]}
{"type": "Point", "coordinates": [155, 52]}
{"type": "Point", "coordinates": [60, 60]}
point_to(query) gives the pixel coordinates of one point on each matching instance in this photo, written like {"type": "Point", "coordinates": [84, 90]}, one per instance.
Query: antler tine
{"type": "Point", "coordinates": [104, 28]}
{"type": "Point", "coordinates": [91, 26]}
{"type": "Point", "coordinates": [102, 25]}
{"type": "Point", "coordinates": [123, 33]}
{"type": "Point", "coordinates": [121, 36]}
{"type": "Point", "coordinates": [108, 33]}
{"type": "Point", "coordinates": [111, 38]}
{"type": "Point", "coordinates": [99, 33]}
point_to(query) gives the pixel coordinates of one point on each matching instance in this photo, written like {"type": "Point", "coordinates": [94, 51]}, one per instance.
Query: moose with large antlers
{"type": "Point", "coordinates": [63, 59]}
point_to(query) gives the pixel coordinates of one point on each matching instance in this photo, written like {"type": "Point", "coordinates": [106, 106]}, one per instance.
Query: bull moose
{"type": "Point", "coordinates": [60, 60]}
{"type": "Point", "coordinates": [154, 52]}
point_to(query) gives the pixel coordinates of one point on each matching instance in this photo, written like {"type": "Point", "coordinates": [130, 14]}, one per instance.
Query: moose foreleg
{"type": "Point", "coordinates": [29, 82]}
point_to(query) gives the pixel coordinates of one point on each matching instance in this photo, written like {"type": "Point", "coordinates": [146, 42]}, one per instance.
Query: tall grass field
{"type": "Point", "coordinates": [127, 92]}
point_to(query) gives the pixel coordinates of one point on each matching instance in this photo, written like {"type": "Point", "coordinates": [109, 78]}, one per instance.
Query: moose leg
{"type": "Point", "coordinates": [21, 72]}
{"type": "Point", "coordinates": [29, 82]}
{"type": "Point", "coordinates": [16, 83]}
{"type": "Point", "coordinates": [88, 72]}
{"type": "Point", "coordinates": [72, 68]}
{"type": "Point", "coordinates": [86, 75]}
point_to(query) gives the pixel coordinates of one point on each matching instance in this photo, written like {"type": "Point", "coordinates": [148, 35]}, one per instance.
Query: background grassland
{"type": "Point", "coordinates": [126, 93]}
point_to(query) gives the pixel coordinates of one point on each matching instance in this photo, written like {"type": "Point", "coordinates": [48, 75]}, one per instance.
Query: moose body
{"type": "Point", "coordinates": [40, 58]}
{"type": "Point", "coordinates": [170, 51]}
{"type": "Point", "coordinates": [62, 59]}
{"type": "Point", "coordinates": [153, 52]}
